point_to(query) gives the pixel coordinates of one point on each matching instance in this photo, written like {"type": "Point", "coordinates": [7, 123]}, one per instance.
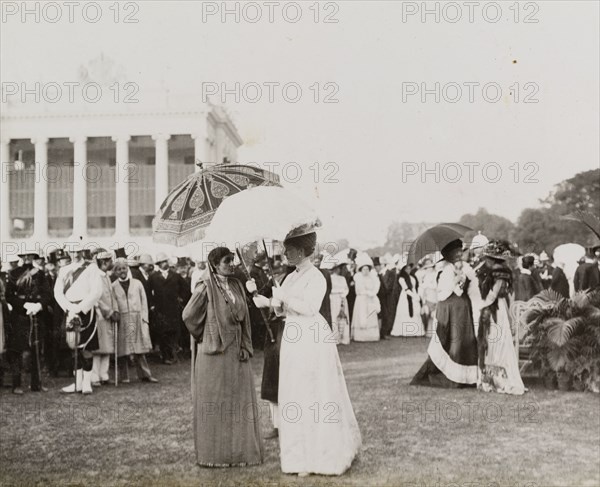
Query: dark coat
{"type": "Point", "coordinates": [263, 286]}
{"type": "Point", "coordinates": [169, 297]}
{"type": "Point", "coordinates": [559, 282]}
{"type": "Point", "coordinates": [33, 290]}
{"type": "Point", "coordinates": [587, 276]}
{"type": "Point", "coordinates": [391, 283]}
{"type": "Point", "coordinates": [137, 274]}
{"type": "Point", "coordinates": [526, 287]}
{"type": "Point", "coordinates": [270, 379]}
{"type": "Point", "coordinates": [326, 304]}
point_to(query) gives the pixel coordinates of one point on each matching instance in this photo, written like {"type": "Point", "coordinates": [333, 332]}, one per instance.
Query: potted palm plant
{"type": "Point", "coordinates": [565, 337]}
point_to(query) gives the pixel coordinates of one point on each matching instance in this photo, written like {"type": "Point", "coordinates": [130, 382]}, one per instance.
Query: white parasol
{"type": "Point", "coordinates": [264, 212]}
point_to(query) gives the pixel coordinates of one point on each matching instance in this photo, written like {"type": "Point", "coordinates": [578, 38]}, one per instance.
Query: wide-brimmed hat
{"type": "Point", "coordinates": [363, 260]}
{"type": "Point", "coordinates": [498, 250]}
{"type": "Point", "coordinates": [161, 257]}
{"type": "Point", "coordinates": [304, 229]}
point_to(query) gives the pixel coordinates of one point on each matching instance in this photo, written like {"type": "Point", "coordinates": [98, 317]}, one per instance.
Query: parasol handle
{"type": "Point", "coordinates": [275, 283]}
{"type": "Point", "coordinates": [254, 294]}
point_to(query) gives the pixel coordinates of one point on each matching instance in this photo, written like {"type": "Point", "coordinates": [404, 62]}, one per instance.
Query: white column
{"type": "Point", "coordinates": [161, 178]}
{"type": "Point", "coordinates": [220, 142]}
{"type": "Point", "coordinates": [79, 186]}
{"type": "Point", "coordinates": [5, 222]}
{"type": "Point", "coordinates": [122, 174]}
{"type": "Point", "coordinates": [40, 199]}
{"type": "Point", "coordinates": [199, 157]}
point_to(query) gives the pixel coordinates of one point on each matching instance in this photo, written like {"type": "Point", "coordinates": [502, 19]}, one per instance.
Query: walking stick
{"type": "Point", "coordinates": [76, 327]}
{"type": "Point", "coordinates": [116, 327]}
{"type": "Point", "coordinates": [192, 373]}
{"type": "Point", "coordinates": [254, 294]}
{"type": "Point", "coordinates": [36, 345]}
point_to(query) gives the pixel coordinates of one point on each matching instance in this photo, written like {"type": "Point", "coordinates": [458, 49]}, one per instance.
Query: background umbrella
{"type": "Point", "coordinates": [436, 238]}
{"type": "Point", "coordinates": [191, 205]}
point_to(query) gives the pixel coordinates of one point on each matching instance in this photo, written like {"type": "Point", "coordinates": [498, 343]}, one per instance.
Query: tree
{"type": "Point", "coordinates": [543, 228]}
{"type": "Point", "coordinates": [492, 226]}
{"type": "Point", "coordinates": [581, 192]}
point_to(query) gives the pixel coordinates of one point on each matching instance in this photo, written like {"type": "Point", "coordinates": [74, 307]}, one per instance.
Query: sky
{"type": "Point", "coordinates": [363, 153]}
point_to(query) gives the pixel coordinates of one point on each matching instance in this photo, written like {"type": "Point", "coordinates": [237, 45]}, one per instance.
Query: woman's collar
{"type": "Point", "coordinates": [304, 264]}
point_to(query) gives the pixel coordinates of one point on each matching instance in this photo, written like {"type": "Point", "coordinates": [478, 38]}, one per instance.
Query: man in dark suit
{"type": "Point", "coordinates": [559, 282]}
{"type": "Point", "coordinates": [526, 284]}
{"type": "Point", "coordinates": [382, 295]}
{"type": "Point", "coordinates": [587, 275]}
{"type": "Point", "coordinates": [263, 286]}
{"type": "Point", "coordinates": [170, 294]}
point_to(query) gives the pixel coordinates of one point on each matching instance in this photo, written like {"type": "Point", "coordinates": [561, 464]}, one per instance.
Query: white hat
{"type": "Point", "coordinates": [362, 260]}
{"type": "Point", "coordinates": [161, 257]}
{"type": "Point", "coordinates": [544, 257]}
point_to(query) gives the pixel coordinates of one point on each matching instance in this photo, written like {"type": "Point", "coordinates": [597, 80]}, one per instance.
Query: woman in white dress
{"type": "Point", "coordinates": [498, 361]}
{"type": "Point", "coordinates": [408, 322]}
{"type": "Point", "coordinates": [365, 325]}
{"type": "Point", "coordinates": [318, 432]}
{"type": "Point", "coordinates": [339, 305]}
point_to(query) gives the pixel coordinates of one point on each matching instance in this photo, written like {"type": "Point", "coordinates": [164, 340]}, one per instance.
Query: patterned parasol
{"type": "Point", "coordinates": [190, 207]}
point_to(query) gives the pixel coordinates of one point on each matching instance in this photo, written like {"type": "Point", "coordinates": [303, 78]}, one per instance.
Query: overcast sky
{"type": "Point", "coordinates": [369, 57]}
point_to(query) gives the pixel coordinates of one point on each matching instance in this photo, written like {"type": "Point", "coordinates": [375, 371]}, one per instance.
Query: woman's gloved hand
{"type": "Point", "coordinates": [251, 286]}
{"type": "Point", "coordinates": [261, 302]}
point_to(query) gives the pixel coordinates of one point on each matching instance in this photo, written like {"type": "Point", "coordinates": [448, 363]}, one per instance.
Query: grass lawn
{"type": "Point", "coordinates": [416, 436]}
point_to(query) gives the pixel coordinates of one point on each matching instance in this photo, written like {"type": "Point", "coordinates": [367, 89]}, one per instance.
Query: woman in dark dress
{"type": "Point", "coordinates": [226, 416]}
{"type": "Point", "coordinates": [452, 360]}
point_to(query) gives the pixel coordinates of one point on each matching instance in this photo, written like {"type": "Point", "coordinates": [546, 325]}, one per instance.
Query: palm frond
{"type": "Point", "coordinates": [587, 218]}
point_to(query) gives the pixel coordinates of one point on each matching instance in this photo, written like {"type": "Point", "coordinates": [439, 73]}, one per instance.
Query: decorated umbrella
{"type": "Point", "coordinates": [436, 238]}
{"type": "Point", "coordinates": [191, 205]}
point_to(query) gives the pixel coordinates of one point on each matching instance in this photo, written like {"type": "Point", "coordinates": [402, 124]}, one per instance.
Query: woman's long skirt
{"type": "Point", "coordinates": [318, 432]}
{"type": "Point", "coordinates": [226, 414]}
{"type": "Point", "coordinates": [501, 364]}
{"type": "Point", "coordinates": [365, 324]}
{"type": "Point", "coordinates": [406, 325]}
{"type": "Point", "coordinates": [452, 350]}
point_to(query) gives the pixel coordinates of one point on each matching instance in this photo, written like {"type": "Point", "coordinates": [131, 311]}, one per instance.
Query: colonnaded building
{"type": "Point", "coordinates": [100, 171]}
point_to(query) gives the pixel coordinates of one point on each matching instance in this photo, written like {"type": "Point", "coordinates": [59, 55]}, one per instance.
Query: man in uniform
{"type": "Point", "coordinates": [77, 290]}
{"type": "Point", "coordinates": [28, 293]}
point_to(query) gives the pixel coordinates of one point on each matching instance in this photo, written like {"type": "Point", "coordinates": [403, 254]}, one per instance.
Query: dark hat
{"type": "Point", "coordinates": [29, 252]}
{"type": "Point", "coordinates": [376, 261]}
{"type": "Point", "coordinates": [120, 253]}
{"type": "Point", "coordinates": [182, 261]}
{"type": "Point", "coordinates": [455, 244]}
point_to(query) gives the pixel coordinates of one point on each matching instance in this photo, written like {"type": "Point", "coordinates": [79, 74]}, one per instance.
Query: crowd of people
{"type": "Point", "coordinates": [81, 310]}
{"type": "Point", "coordinates": [111, 305]}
